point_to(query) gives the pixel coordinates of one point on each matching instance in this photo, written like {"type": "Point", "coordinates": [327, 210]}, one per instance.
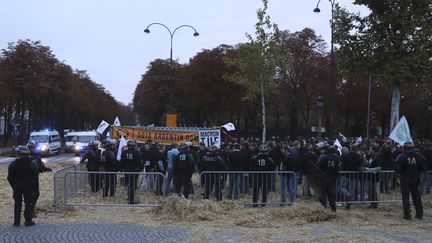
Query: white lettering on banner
{"type": "Point", "coordinates": [210, 137]}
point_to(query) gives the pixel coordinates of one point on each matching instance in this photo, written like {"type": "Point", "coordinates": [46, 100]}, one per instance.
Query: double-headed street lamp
{"type": "Point", "coordinates": [171, 118]}
{"type": "Point", "coordinates": [332, 67]}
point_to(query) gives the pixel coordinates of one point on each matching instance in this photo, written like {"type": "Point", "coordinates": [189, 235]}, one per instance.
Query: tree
{"type": "Point", "coordinates": [392, 42]}
{"type": "Point", "coordinates": [256, 63]}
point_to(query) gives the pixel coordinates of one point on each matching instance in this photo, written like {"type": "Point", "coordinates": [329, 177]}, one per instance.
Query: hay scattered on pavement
{"type": "Point", "coordinates": [231, 213]}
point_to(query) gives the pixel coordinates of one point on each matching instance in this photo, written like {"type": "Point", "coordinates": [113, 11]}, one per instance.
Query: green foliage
{"type": "Point", "coordinates": [393, 41]}
{"type": "Point", "coordinates": [257, 60]}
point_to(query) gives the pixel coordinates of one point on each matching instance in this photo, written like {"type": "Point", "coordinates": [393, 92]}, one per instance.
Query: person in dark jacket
{"type": "Point", "coordinates": [22, 177]}
{"type": "Point", "coordinates": [288, 177]}
{"type": "Point", "coordinates": [93, 157]}
{"type": "Point", "coordinates": [261, 163]}
{"type": "Point", "coordinates": [351, 164]}
{"type": "Point", "coordinates": [41, 169]}
{"type": "Point", "coordinates": [212, 162]}
{"type": "Point", "coordinates": [426, 177]}
{"type": "Point", "coordinates": [147, 154]}
{"type": "Point", "coordinates": [409, 165]}
{"type": "Point", "coordinates": [110, 164]}
{"type": "Point", "coordinates": [183, 169]}
{"type": "Point", "coordinates": [236, 163]}
{"type": "Point", "coordinates": [328, 162]}
{"type": "Point", "coordinates": [160, 166]}
{"type": "Point", "coordinates": [387, 164]}
{"type": "Point", "coordinates": [131, 162]}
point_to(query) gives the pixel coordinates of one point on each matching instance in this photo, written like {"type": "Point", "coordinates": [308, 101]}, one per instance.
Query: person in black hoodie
{"type": "Point", "coordinates": [236, 163]}
{"type": "Point", "coordinates": [410, 164]}
{"type": "Point", "coordinates": [22, 177]}
{"type": "Point", "coordinates": [328, 162]}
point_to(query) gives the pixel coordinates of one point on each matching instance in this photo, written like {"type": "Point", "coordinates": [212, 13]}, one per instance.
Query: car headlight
{"type": "Point", "coordinates": [77, 147]}
{"type": "Point", "coordinates": [43, 148]}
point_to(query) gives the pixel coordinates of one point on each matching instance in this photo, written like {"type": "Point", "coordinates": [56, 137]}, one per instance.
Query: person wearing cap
{"type": "Point", "coordinates": [409, 165]}
{"type": "Point", "coordinates": [131, 162]}
{"type": "Point", "coordinates": [212, 162]}
{"type": "Point", "coordinates": [183, 167]}
{"type": "Point", "coordinates": [261, 162]}
{"type": "Point", "coordinates": [328, 162]}
{"type": "Point", "coordinates": [22, 177]}
{"type": "Point", "coordinates": [93, 157]}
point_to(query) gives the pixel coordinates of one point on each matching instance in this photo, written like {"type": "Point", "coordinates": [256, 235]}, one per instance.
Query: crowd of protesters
{"type": "Point", "coordinates": [342, 170]}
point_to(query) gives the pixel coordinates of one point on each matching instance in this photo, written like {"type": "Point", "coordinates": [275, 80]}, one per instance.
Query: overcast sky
{"type": "Point", "coordinates": [106, 38]}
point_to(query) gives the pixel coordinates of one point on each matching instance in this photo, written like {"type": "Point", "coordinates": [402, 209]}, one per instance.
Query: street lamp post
{"type": "Point", "coordinates": [332, 67]}
{"type": "Point", "coordinates": [171, 117]}
{"type": "Point", "coordinates": [320, 104]}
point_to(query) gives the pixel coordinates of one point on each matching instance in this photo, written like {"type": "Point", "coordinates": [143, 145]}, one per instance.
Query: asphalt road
{"type": "Point", "coordinates": [47, 160]}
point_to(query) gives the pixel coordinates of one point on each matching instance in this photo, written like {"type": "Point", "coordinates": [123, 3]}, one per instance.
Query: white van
{"type": "Point", "coordinates": [47, 142]}
{"type": "Point", "coordinates": [77, 142]}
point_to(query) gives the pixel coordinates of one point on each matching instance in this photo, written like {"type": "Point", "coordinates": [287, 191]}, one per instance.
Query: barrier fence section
{"type": "Point", "coordinates": [368, 187]}
{"type": "Point", "coordinates": [250, 187]}
{"type": "Point", "coordinates": [100, 188]}
{"type": "Point", "coordinates": [59, 179]}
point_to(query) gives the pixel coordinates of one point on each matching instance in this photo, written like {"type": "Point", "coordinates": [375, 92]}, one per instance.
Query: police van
{"type": "Point", "coordinates": [47, 142]}
{"type": "Point", "coordinates": [77, 142]}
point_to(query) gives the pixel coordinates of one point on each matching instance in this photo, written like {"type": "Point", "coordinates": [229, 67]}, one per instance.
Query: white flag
{"type": "Point", "coordinates": [122, 143]}
{"type": "Point", "coordinates": [229, 126]}
{"type": "Point", "coordinates": [339, 146]}
{"type": "Point", "coordinates": [117, 122]}
{"type": "Point", "coordinates": [102, 127]}
{"type": "Point", "coordinates": [359, 140]}
{"type": "Point", "coordinates": [401, 133]}
{"type": "Point", "coordinates": [344, 139]}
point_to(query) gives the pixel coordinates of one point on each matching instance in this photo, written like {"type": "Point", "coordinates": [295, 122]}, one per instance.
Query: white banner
{"type": "Point", "coordinates": [102, 127]}
{"type": "Point", "coordinates": [210, 137]}
{"type": "Point", "coordinates": [401, 133]}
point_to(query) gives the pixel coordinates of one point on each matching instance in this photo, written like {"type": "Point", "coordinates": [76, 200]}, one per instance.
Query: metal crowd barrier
{"type": "Point", "coordinates": [368, 187]}
{"type": "Point", "coordinates": [250, 187]}
{"type": "Point", "coordinates": [59, 180]}
{"type": "Point", "coordinates": [113, 188]}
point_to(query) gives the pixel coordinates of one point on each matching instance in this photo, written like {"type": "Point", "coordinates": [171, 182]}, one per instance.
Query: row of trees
{"type": "Point", "coordinates": [38, 91]}
{"type": "Point", "coordinates": [277, 75]}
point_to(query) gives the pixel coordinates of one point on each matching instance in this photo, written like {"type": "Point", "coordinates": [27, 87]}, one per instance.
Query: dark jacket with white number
{"type": "Point", "coordinates": [262, 162]}
{"type": "Point", "coordinates": [328, 163]}
{"type": "Point", "coordinates": [410, 163]}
